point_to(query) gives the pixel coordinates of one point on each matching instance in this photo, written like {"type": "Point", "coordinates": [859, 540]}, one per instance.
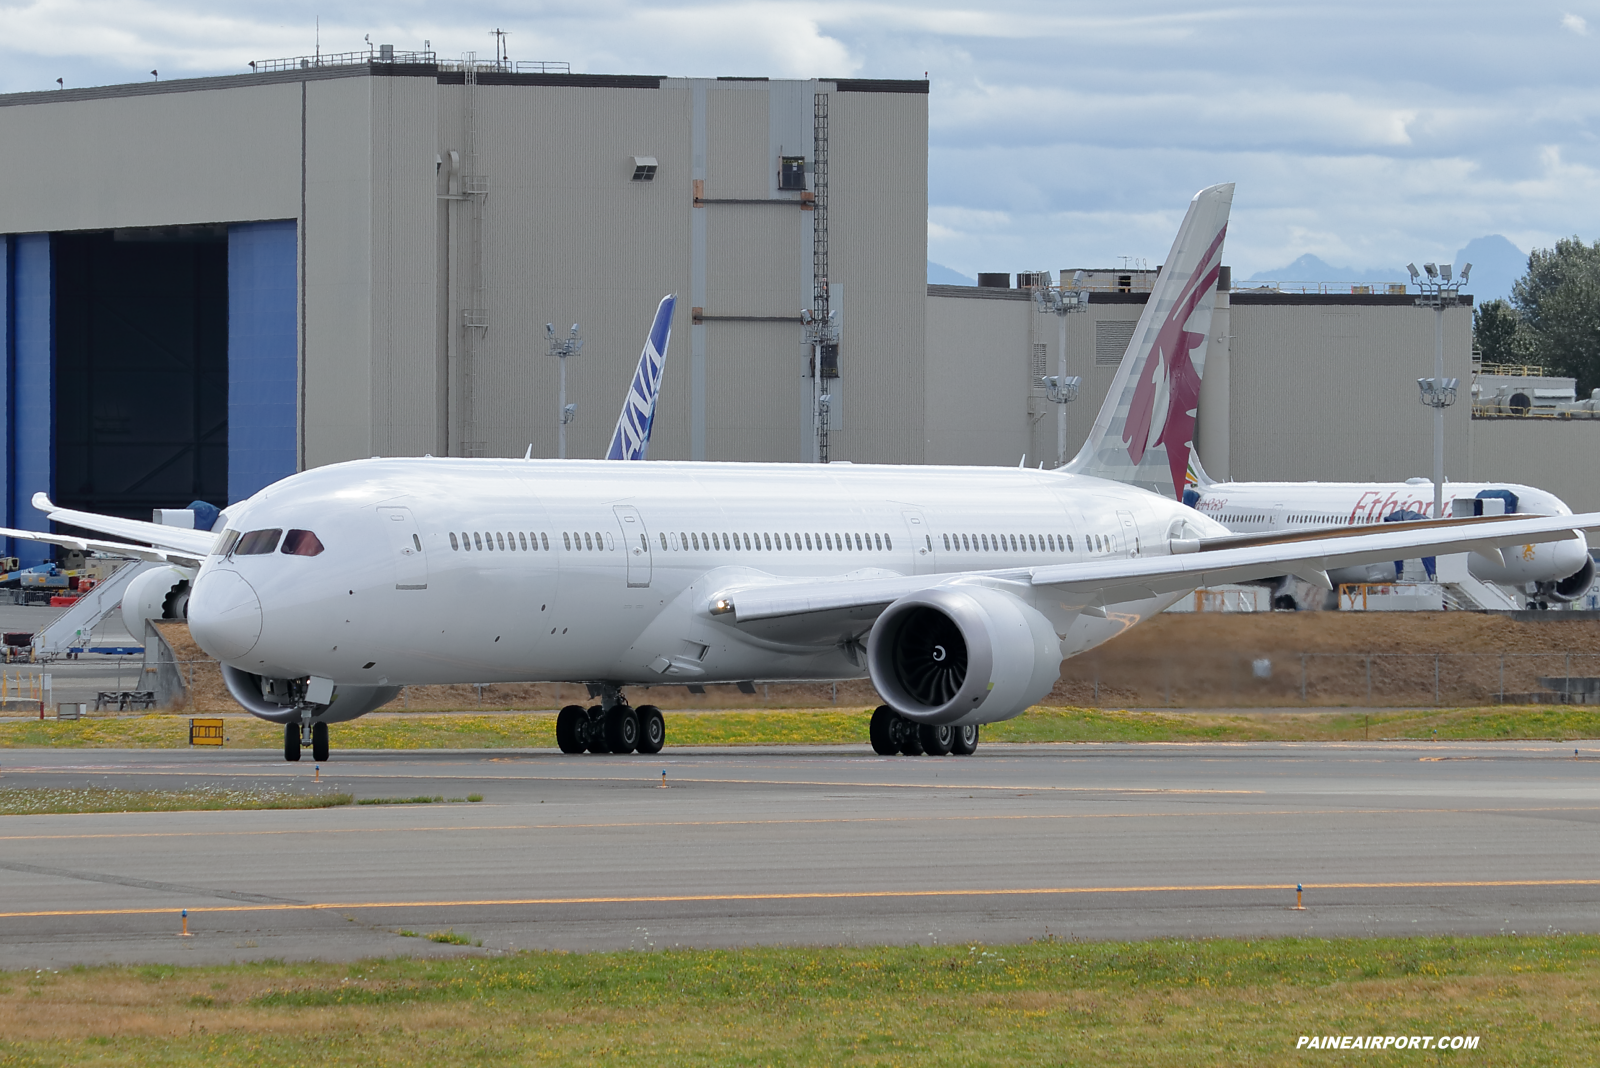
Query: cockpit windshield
{"type": "Point", "coordinates": [225, 543]}
{"type": "Point", "coordinates": [301, 543]}
{"type": "Point", "coordinates": [258, 542]}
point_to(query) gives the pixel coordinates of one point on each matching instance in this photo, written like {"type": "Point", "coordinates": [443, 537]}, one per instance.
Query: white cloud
{"type": "Point", "coordinates": [1366, 132]}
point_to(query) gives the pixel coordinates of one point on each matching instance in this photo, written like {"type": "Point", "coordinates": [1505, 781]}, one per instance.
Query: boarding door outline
{"type": "Point", "coordinates": [1130, 534]}
{"type": "Point", "coordinates": [635, 545]}
{"type": "Point", "coordinates": [924, 560]}
{"type": "Point", "coordinates": [405, 546]}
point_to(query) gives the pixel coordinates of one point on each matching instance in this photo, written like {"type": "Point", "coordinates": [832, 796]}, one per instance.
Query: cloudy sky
{"type": "Point", "coordinates": [1365, 133]}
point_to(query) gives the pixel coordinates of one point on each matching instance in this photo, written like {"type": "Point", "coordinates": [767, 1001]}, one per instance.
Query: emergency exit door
{"type": "Point", "coordinates": [635, 544]}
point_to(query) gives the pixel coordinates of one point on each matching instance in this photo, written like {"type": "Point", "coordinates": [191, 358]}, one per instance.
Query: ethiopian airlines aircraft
{"type": "Point", "coordinates": [1559, 570]}
{"type": "Point", "coordinates": [957, 591]}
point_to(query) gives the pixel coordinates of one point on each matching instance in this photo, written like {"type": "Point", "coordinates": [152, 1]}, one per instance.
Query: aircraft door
{"type": "Point", "coordinates": [924, 561]}
{"type": "Point", "coordinates": [1130, 534]}
{"type": "Point", "coordinates": [635, 544]}
{"type": "Point", "coordinates": [405, 545]}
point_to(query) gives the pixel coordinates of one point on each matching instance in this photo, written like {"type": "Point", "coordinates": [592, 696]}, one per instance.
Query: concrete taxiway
{"type": "Point", "coordinates": [804, 845]}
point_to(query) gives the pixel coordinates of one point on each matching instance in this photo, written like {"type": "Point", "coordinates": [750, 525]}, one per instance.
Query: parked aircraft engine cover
{"type": "Point", "coordinates": [274, 699]}
{"type": "Point", "coordinates": [159, 593]}
{"type": "Point", "coordinates": [962, 654]}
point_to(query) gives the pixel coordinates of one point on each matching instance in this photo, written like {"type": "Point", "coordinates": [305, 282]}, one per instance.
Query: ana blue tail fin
{"type": "Point", "coordinates": [632, 438]}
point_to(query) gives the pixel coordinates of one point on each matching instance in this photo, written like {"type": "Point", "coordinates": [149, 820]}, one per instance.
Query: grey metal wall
{"type": "Point", "coordinates": [353, 156]}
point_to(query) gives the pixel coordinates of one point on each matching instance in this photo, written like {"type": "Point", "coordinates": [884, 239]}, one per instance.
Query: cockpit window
{"type": "Point", "coordinates": [258, 542]}
{"type": "Point", "coordinates": [301, 543]}
{"type": "Point", "coordinates": [225, 543]}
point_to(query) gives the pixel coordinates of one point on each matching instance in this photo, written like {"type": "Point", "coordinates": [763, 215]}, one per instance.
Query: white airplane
{"type": "Point", "coordinates": [957, 591]}
{"type": "Point", "coordinates": [1560, 570]}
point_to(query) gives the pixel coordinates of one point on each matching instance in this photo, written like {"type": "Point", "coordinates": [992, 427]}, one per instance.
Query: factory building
{"type": "Point", "coordinates": [212, 283]}
{"type": "Point", "coordinates": [1297, 386]}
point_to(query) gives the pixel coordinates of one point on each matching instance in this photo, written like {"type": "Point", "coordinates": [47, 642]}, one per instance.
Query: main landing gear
{"type": "Point", "coordinates": [299, 734]}
{"type": "Point", "coordinates": [892, 733]}
{"type": "Point", "coordinates": [612, 726]}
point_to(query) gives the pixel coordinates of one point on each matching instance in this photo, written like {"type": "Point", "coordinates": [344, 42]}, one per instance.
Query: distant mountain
{"type": "Point", "coordinates": [1496, 264]}
{"type": "Point", "coordinates": [1309, 268]}
{"type": "Point", "coordinates": [940, 275]}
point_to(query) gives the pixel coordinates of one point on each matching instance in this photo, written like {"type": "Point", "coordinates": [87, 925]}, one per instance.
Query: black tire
{"type": "Point", "coordinates": [882, 731]}
{"type": "Point", "coordinates": [319, 742]}
{"type": "Point", "coordinates": [291, 742]}
{"type": "Point", "coordinates": [622, 729]}
{"type": "Point", "coordinates": [936, 740]}
{"type": "Point", "coordinates": [652, 729]}
{"type": "Point", "coordinates": [910, 738]}
{"type": "Point", "coordinates": [595, 730]}
{"type": "Point", "coordinates": [570, 722]}
{"type": "Point", "coordinates": [965, 742]}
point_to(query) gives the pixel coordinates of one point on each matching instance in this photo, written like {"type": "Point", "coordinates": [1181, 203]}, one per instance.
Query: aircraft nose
{"type": "Point", "coordinates": [224, 614]}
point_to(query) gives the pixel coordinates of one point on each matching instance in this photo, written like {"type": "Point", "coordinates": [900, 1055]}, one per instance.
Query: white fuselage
{"type": "Point", "coordinates": [627, 557]}
{"type": "Point", "coordinates": [1250, 507]}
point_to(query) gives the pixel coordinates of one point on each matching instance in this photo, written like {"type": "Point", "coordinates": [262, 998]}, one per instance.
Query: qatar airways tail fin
{"type": "Point", "coordinates": [632, 438]}
{"type": "Point", "coordinates": [1144, 433]}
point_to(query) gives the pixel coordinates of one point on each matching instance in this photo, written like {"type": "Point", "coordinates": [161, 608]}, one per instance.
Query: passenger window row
{"type": "Point", "coordinates": [778, 542]}
{"type": "Point", "coordinates": [493, 541]}
{"type": "Point", "coordinates": [1016, 543]}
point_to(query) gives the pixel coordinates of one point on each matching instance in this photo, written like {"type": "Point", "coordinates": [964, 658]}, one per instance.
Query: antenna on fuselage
{"type": "Point", "coordinates": [529, 454]}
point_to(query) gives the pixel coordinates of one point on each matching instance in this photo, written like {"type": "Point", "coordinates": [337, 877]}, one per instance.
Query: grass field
{"type": "Point", "coordinates": [1529, 1001]}
{"type": "Point", "coordinates": [385, 730]}
{"type": "Point", "coordinates": [34, 801]}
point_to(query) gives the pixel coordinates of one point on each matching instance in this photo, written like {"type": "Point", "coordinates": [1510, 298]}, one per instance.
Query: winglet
{"type": "Point", "coordinates": [41, 501]}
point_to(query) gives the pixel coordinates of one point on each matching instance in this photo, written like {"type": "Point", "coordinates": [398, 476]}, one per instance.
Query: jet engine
{"type": "Point", "coordinates": [279, 700]}
{"type": "Point", "coordinates": [160, 593]}
{"type": "Point", "coordinates": [962, 655]}
{"type": "Point", "coordinates": [1568, 589]}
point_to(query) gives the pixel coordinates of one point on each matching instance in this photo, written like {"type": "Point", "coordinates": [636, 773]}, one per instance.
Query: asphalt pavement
{"type": "Point", "coordinates": [812, 845]}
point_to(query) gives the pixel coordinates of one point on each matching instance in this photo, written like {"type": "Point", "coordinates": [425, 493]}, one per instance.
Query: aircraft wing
{"type": "Point", "coordinates": [830, 609]}
{"type": "Point", "coordinates": [194, 544]}
{"type": "Point", "coordinates": [116, 548]}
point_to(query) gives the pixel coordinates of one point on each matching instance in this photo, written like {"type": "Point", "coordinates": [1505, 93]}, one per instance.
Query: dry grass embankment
{"type": "Point", "coordinates": [1529, 1000]}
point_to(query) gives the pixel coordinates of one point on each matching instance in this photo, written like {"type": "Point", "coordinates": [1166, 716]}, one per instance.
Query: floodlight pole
{"type": "Point", "coordinates": [1438, 291]}
{"type": "Point", "coordinates": [561, 348]}
{"type": "Point", "coordinates": [1061, 302]}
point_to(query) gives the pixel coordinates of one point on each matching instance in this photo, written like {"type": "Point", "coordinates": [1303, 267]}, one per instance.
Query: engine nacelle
{"type": "Point", "coordinates": [962, 654]}
{"type": "Point", "coordinates": [278, 699]}
{"type": "Point", "coordinates": [1570, 588]}
{"type": "Point", "coordinates": [160, 593]}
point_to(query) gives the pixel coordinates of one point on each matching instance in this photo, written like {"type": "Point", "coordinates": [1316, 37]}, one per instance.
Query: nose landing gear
{"type": "Point", "coordinates": [613, 726]}
{"type": "Point", "coordinates": [304, 733]}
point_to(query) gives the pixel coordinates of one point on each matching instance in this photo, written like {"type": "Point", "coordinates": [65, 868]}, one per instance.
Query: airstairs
{"type": "Point", "coordinates": [72, 629]}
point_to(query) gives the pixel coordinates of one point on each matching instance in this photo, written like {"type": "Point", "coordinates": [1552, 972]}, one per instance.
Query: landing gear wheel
{"type": "Point", "coordinates": [965, 742]}
{"type": "Point", "coordinates": [910, 738]}
{"type": "Point", "coordinates": [652, 729]}
{"type": "Point", "coordinates": [570, 722]}
{"type": "Point", "coordinates": [595, 730]}
{"type": "Point", "coordinates": [936, 740]}
{"type": "Point", "coordinates": [882, 731]}
{"type": "Point", "coordinates": [291, 742]}
{"type": "Point", "coordinates": [622, 729]}
{"type": "Point", "coordinates": [319, 742]}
